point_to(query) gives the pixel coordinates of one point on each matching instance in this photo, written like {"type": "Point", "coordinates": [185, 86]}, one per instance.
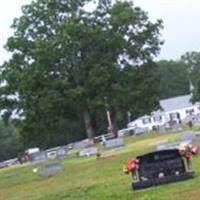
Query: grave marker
{"type": "Point", "coordinates": [51, 169]}
{"type": "Point", "coordinates": [161, 167]}
{"type": "Point", "coordinates": [38, 156]}
{"type": "Point", "coordinates": [168, 146]}
{"type": "Point", "coordinates": [139, 130]}
{"type": "Point", "coordinates": [114, 143]}
{"type": "Point", "coordinates": [189, 137]}
{"type": "Point", "coordinates": [60, 153]}
{"type": "Point", "coordinates": [176, 127]}
{"type": "Point", "coordinates": [88, 151]}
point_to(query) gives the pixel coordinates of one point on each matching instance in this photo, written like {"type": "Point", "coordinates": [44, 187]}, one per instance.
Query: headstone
{"type": "Point", "coordinates": [161, 167]}
{"type": "Point", "coordinates": [189, 137]}
{"type": "Point", "coordinates": [161, 129]}
{"type": "Point", "coordinates": [88, 151]}
{"type": "Point", "coordinates": [51, 169]}
{"type": "Point", "coordinates": [168, 146]}
{"type": "Point", "coordinates": [60, 152]}
{"type": "Point", "coordinates": [38, 156]}
{"type": "Point", "coordinates": [3, 164]}
{"type": "Point", "coordinates": [32, 150]}
{"type": "Point", "coordinates": [51, 154]}
{"type": "Point", "coordinates": [176, 127]}
{"type": "Point", "coordinates": [114, 143]}
{"type": "Point", "coordinates": [139, 130]}
{"type": "Point", "coordinates": [11, 161]}
{"type": "Point", "coordinates": [83, 144]}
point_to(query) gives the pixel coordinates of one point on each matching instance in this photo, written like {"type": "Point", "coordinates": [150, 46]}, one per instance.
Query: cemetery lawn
{"type": "Point", "coordinates": [92, 179]}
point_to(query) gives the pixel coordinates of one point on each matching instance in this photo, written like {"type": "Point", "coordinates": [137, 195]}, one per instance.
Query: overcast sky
{"type": "Point", "coordinates": [181, 24]}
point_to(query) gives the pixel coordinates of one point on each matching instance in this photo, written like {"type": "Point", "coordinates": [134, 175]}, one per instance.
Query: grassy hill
{"type": "Point", "coordinates": [92, 179]}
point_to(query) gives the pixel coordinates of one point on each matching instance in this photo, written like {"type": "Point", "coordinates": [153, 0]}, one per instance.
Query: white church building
{"type": "Point", "coordinates": [179, 109]}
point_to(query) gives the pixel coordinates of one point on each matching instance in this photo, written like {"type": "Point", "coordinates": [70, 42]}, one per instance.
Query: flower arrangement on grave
{"type": "Point", "coordinates": [131, 165]}
{"type": "Point", "coordinates": [185, 150]}
{"type": "Point", "coordinates": [188, 150]}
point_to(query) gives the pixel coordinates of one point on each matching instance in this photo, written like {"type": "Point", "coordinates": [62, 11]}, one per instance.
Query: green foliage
{"type": "Point", "coordinates": [174, 78]}
{"type": "Point", "coordinates": [67, 61]}
{"type": "Point", "coordinates": [140, 89]}
{"type": "Point", "coordinates": [192, 61]}
{"type": "Point", "coordinates": [10, 141]}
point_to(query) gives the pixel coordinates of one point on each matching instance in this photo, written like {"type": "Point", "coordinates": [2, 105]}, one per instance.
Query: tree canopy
{"type": "Point", "coordinates": [68, 65]}
{"type": "Point", "coordinates": [192, 61]}
{"type": "Point", "coordinates": [174, 78]}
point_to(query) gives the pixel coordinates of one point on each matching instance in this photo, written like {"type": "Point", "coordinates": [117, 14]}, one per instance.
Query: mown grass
{"type": "Point", "coordinates": [92, 179]}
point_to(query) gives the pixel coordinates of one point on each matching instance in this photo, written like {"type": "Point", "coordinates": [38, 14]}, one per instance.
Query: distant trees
{"type": "Point", "coordinates": [192, 61]}
{"type": "Point", "coordinates": [10, 142]}
{"type": "Point", "coordinates": [174, 78]}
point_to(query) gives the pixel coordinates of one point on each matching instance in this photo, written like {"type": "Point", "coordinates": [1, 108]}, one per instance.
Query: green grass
{"type": "Point", "coordinates": [92, 179]}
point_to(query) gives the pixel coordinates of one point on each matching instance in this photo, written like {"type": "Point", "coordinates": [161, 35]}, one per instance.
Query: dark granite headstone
{"type": "Point", "coordinates": [161, 167]}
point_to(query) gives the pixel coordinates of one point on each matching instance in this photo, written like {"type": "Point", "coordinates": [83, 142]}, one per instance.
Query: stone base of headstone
{"type": "Point", "coordinates": [160, 181]}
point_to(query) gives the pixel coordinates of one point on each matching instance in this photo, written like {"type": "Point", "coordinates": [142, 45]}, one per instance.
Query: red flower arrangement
{"type": "Point", "coordinates": [131, 165]}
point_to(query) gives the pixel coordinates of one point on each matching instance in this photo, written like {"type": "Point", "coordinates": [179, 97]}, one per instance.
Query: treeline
{"type": "Point", "coordinates": [69, 66]}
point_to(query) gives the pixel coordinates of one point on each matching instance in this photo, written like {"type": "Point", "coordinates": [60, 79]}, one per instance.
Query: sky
{"type": "Point", "coordinates": [181, 31]}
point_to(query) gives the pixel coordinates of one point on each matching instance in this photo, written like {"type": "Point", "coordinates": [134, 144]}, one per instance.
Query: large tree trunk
{"type": "Point", "coordinates": [114, 123]}
{"type": "Point", "coordinates": [88, 125]}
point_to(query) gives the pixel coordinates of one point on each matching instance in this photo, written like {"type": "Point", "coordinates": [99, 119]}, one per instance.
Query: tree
{"type": "Point", "coordinates": [67, 60]}
{"type": "Point", "coordinates": [174, 78]}
{"type": "Point", "coordinates": [192, 61]}
{"type": "Point", "coordinates": [131, 42]}
{"type": "Point", "coordinates": [10, 141]}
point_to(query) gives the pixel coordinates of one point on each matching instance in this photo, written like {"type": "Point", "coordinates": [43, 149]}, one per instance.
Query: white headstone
{"type": "Point", "coordinates": [38, 156]}
{"type": "Point", "coordinates": [139, 130]}
{"type": "Point", "coordinates": [88, 151]}
{"type": "Point", "coordinates": [114, 143]}
{"type": "Point", "coordinates": [60, 153]}
{"type": "Point", "coordinates": [168, 146]}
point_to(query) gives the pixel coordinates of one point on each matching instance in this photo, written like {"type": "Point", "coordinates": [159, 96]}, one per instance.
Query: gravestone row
{"type": "Point", "coordinates": [188, 137]}
{"type": "Point", "coordinates": [114, 143]}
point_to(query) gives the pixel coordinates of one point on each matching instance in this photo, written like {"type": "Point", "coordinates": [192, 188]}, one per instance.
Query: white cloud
{"type": "Point", "coordinates": [181, 17]}
{"type": "Point", "coordinates": [181, 30]}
